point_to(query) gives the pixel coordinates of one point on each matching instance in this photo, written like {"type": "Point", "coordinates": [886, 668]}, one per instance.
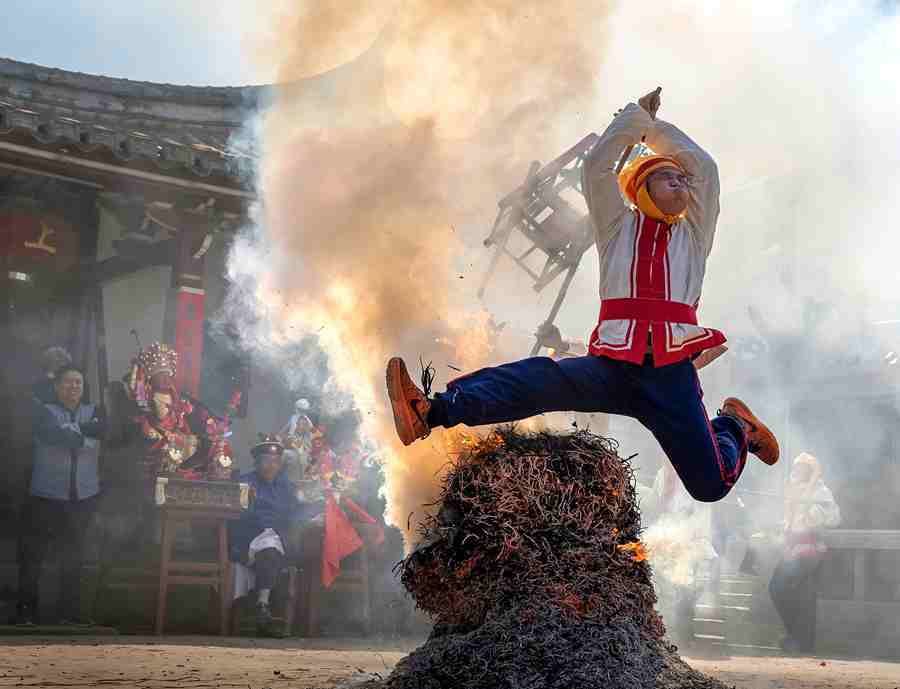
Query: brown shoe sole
{"type": "Point", "coordinates": [766, 443]}
{"type": "Point", "coordinates": [406, 421]}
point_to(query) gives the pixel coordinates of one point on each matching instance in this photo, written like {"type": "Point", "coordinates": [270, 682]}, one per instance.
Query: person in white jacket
{"type": "Point", "coordinates": [809, 508]}
{"type": "Point", "coordinates": [641, 359]}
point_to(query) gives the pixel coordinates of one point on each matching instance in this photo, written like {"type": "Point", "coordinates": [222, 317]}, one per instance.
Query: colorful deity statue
{"type": "Point", "coordinates": [219, 455]}
{"type": "Point", "coordinates": [297, 434]}
{"type": "Point", "coordinates": [337, 467]}
{"type": "Point", "coordinates": [181, 438]}
{"type": "Point", "coordinates": [164, 427]}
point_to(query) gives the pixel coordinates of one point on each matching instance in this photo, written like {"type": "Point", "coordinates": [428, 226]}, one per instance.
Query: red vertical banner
{"type": "Point", "coordinates": [189, 313]}
{"type": "Point", "coordinates": [190, 300]}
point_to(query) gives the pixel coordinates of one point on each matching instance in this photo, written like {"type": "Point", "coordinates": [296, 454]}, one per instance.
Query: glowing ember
{"type": "Point", "coordinates": [636, 549]}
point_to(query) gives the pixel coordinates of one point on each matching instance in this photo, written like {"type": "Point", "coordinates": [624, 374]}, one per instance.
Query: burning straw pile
{"type": "Point", "coordinates": [535, 576]}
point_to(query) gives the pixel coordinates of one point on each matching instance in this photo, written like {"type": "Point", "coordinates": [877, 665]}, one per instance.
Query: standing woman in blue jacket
{"type": "Point", "coordinates": [62, 500]}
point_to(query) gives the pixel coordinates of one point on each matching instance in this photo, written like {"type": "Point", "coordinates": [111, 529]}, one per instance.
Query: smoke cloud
{"type": "Point", "coordinates": [379, 177]}
{"type": "Point", "coordinates": [794, 100]}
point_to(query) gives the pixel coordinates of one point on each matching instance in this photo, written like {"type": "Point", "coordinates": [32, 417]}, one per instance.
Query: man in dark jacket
{"type": "Point", "coordinates": [65, 485]}
{"type": "Point", "coordinates": [258, 540]}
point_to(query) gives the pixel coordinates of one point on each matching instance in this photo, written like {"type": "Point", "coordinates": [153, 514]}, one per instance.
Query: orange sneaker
{"type": "Point", "coordinates": [760, 440]}
{"type": "Point", "coordinates": [409, 404]}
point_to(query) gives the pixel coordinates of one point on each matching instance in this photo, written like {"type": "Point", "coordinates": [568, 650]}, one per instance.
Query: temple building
{"type": "Point", "coordinates": [116, 201]}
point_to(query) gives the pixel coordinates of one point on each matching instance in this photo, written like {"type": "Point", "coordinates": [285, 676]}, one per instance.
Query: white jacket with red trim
{"type": "Point", "coordinates": [646, 259]}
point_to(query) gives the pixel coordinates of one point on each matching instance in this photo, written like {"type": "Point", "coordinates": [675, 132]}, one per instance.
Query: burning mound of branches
{"type": "Point", "coordinates": [535, 575]}
{"type": "Point", "coordinates": [533, 518]}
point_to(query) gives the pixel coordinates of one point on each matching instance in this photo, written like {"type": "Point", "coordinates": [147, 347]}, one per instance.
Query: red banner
{"type": "Point", "coordinates": [339, 541]}
{"type": "Point", "coordinates": [32, 242]}
{"type": "Point", "coordinates": [189, 312]}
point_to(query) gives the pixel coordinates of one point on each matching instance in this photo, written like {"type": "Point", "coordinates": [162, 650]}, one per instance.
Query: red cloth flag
{"type": "Point", "coordinates": [340, 540]}
{"type": "Point", "coordinates": [361, 515]}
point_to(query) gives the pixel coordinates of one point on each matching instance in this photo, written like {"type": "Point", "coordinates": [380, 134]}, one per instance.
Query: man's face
{"type": "Point", "coordinates": [70, 388]}
{"type": "Point", "coordinates": [270, 464]}
{"type": "Point", "coordinates": [668, 188]}
{"type": "Point", "coordinates": [162, 403]}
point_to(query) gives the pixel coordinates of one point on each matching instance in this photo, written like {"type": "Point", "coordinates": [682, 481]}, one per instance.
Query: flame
{"type": "Point", "coordinates": [635, 549]}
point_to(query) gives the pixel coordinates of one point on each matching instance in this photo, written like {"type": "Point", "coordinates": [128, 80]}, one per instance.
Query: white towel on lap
{"type": "Point", "coordinates": [267, 539]}
{"type": "Point", "coordinates": [244, 576]}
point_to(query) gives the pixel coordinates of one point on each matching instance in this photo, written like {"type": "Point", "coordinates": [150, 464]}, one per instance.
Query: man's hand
{"type": "Point", "coordinates": [651, 102]}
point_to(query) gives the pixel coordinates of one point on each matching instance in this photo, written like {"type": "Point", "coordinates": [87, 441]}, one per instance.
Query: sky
{"type": "Point", "coordinates": [198, 42]}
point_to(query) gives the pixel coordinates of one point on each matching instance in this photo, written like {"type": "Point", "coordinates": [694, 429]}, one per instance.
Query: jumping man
{"type": "Point", "coordinates": [642, 354]}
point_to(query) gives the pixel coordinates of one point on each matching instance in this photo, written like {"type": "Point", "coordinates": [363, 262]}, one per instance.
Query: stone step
{"type": "Point", "coordinates": [730, 585]}
{"type": "Point", "coordinates": [728, 610]}
{"type": "Point", "coordinates": [739, 649]}
{"type": "Point", "coordinates": [754, 635]}
{"type": "Point", "coordinates": [709, 637]}
{"type": "Point", "coordinates": [55, 630]}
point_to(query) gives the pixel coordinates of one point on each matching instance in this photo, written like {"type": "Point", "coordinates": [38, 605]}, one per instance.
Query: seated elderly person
{"type": "Point", "coordinates": [258, 540]}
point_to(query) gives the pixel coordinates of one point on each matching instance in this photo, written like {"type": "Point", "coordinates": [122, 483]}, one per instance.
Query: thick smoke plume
{"type": "Point", "coordinates": [372, 192]}
{"type": "Point", "coordinates": [379, 178]}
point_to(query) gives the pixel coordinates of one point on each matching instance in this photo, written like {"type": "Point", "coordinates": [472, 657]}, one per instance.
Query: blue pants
{"type": "Point", "coordinates": [708, 456]}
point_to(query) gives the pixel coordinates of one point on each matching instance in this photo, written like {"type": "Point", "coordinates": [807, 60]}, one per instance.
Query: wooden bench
{"type": "Point", "coordinates": [197, 502]}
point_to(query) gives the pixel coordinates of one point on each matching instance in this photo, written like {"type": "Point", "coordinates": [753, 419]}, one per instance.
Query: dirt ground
{"type": "Point", "coordinates": [211, 663]}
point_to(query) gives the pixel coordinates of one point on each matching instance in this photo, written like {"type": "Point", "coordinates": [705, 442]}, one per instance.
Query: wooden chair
{"type": "Point", "coordinates": [292, 577]}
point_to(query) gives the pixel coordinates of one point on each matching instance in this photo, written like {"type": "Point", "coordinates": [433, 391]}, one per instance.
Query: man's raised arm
{"type": "Point", "coordinates": [703, 203]}
{"type": "Point", "coordinates": [600, 183]}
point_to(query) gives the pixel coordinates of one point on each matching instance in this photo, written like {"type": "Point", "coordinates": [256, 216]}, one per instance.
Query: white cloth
{"type": "Point", "coordinates": [267, 539]}
{"type": "Point", "coordinates": [244, 576]}
{"type": "Point", "coordinates": [618, 229]}
{"type": "Point", "coordinates": [244, 580]}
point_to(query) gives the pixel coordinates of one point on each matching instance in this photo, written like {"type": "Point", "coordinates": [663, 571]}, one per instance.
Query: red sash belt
{"type": "Point", "coordinates": [647, 310]}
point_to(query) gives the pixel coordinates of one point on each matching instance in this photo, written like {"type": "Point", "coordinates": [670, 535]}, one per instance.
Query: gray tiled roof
{"type": "Point", "coordinates": [179, 128]}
